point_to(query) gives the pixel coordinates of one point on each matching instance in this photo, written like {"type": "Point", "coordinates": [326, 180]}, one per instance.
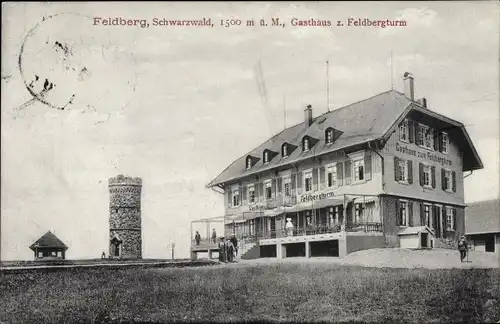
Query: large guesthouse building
{"type": "Point", "coordinates": [386, 171]}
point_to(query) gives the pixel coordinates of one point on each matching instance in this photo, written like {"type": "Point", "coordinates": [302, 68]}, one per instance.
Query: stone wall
{"type": "Point", "coordinates": [125, 215]}
{"type": "Point", "coordinates": [131, 247]}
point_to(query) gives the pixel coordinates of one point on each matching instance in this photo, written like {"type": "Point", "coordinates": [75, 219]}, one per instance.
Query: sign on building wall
{"type": "Point", "coordinates": [423, 154]}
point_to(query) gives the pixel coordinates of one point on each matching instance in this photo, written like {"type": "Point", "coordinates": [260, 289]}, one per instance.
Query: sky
{"type": "Point", "coordinates": [176, 105]}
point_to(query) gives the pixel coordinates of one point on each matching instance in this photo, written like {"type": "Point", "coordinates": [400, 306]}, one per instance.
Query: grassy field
{"type": "Point", "coordinates": [273, 292]}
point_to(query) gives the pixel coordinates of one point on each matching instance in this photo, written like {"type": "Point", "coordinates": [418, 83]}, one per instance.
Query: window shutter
{"type": "Point", "coordinates": [368, 165]}
{"type": "Point", "coordinates": [410, 213]}
{"type": "Point", "coordinates": [315, 178]}
{"type": "Point", "coordinates": [421, 173]}
{"type": "Point", "coordinates": [229, 198]}
{"type": "Point", "coordinates": [440, 141]}
{"type": "Point", "coordinates": [340, 173]}
{"type": "Point", "coordinates": [273, 188]}
{"type": "Point", "coordinates": [433, 176]}
{"type": "Point", "coordinates": [454, 210]}
{"type": "Point", "coordinates": [411, 131]}
{"type": "Point", "coordinates": [435, 139]}
{"type": "Point", "coordinates": [244, 195]}
{"type": "Point", "coordinates": [341, 213]}
{"type": "Point", "coordinates": [292, 180]}
{"type": "Point", "coordinates": [443, 179]}
{"type": "Point", "coordinates": [279, 183]}
{"type": "Point", "coordinates": [396, 169]}
{"type": "Point", "coordinates": [348, 172]}
{"type": "Point", "coordinates": [416, 128]}
{"type": "Point", "coordinates": [322, 181]}
{"type": "Point", "coordinates": [261, 191]}
{"type": "Point", "coordinates": [422, 215]}
{"type": "Point", "coordinates": [398, 216]}
{"type": "Point", "coordinates": [299, 182]}
{"type": "Point", "coordinates": [454, 181]}
{"type": "Point", "coordinates": [410, 171]}
{"type": "Point", "coordinates": [445, 220]}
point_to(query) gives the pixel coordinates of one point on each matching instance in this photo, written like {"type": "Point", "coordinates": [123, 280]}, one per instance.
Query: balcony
{"type": "Point", "coordinates": [317, 229]}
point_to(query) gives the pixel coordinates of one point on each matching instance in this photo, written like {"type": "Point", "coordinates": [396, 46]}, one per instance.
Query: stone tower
{"type": "Point", "coordinates": [125, 239]}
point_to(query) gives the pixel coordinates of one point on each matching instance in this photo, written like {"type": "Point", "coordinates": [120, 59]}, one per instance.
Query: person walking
{"type": "Point", "coordinates": [234, 241]}
{"type": "Point", "coordinates": [222, 248]}
{"type": "Point", "coordinates": [463, 247]}
{"type": "Point", "coordinates": [214, 236]}
{"type": "Point", "coordinates": [197, 238]}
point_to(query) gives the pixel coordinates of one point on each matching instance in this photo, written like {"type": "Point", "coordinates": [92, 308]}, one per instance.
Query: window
{"type": "Point", "coordinates": [427, 215]}
{"type": "Point", "coordinates": [269, 190]}
{"type": "Point", "coordinates": [40, 254]}
{"type": "Point", "coordinates": [449, 219]}
{"type": "Point", "coordinates": [306, 144]}
{"type": "Point", "coordinates": [285, 150]}
{"type": "Point", "coordinates": [403, 171]}
{"type": "Point", "coordinates": [286, 186]}
{"type": "Point", "coordinates": [266, 156]}
{"type": "Point", "coordinates": [308, 181]}
{"type": "Point", "coordinates": [249, 163]}
{"type": "Point", "coordinates": [358, 213]}
{"type": "Point", "coordinates": [308, 218]}
{"type": "Point", "coordinates": [403, 213]}
{"type": "Point", "coordinates": [403, 131]}
{"type": "Point", "coordinates": [332, 215]}
{"type": "Point", "coordinates": [331, 175]}
{"type": "Point", "coordinates": [358, 170]}
{"type": "Point", "coordinates": [236, 197]}
{"type": "Point", "coordinates": [251, 193]}
{"type": "Point", "coordinates": [427, 175]}
{"type": "Point", "coordinates": [329, 136]}
{"type": "Point", "coordinates": [444, 143]}
{"type": "Point", "coordinates": [425, 136]}
{"type": "Point", "coordinates": [447, 180]}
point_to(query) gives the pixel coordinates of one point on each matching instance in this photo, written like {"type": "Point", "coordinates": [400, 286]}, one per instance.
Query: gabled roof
{"type": "Point", "coordinates": [483, 217]}
{"type": "Point", "coordinates": [358, 123]}
{"type": "Point", "coordinates": [48, 240]}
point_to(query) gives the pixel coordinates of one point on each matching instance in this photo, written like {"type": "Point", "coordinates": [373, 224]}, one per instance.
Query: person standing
{"type": "Point", "coordinates": [229, 251]}
{"type": "Point", "coordinates": [463, 247]}
{"type": "Point", "coordinates": [197, 238]}
{"type": "Point", "coordinates": [214, 236]}
{"type": "Point", "coordinates": [222, 248]}
{"type": "Point", "coordinates": [234, 241]}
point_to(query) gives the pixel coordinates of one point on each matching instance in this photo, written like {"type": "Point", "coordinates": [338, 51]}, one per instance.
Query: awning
{"type": "Point", "coordinates": [243, 217]}
{"type": "Point", "coordinates": [365, 199]}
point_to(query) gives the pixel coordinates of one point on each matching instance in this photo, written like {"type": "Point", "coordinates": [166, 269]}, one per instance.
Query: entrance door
{"type": "Point", "coordinates": [490, 244]}
{"type": "Point", "coordinates": [424, 239]}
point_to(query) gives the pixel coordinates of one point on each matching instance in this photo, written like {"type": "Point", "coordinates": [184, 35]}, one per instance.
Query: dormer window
{"type": "Point", "coordinates": [306, 144]}
{"type": "Point", "coordinates": [285, 150]}
{"type": "Point", "coordinates": [329, 136]}
{"type": "Point", "coordinates": [266, 156]}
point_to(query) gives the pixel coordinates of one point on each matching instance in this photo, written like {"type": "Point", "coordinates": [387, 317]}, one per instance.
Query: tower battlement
{"type": "Point", "coordinates": [121, 180]}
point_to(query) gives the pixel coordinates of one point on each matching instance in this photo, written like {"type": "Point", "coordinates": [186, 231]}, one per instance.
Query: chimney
{"type": "Point", "coordinates": [308, 116]}
{"type": "Point", "coordinates": [409, 86]}
{"type": "Point", "coordinates": [422, 102]}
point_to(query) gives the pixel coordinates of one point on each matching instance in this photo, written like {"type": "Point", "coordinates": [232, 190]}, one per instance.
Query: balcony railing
{"type": "Point", "coordinates": [363, 227]}
{"type": "Point", "coordinates": [318, 229]}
